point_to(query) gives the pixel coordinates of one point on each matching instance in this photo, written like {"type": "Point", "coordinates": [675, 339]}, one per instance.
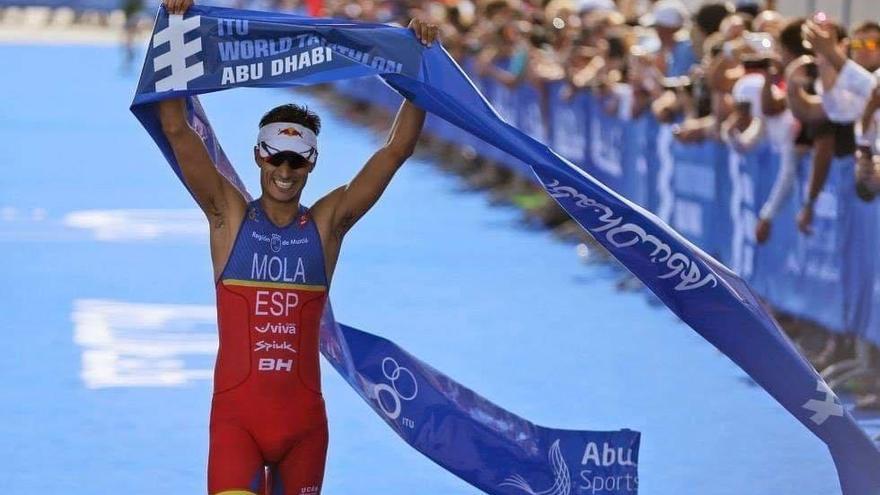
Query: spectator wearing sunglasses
{"type": "Point", "coordinates": [865, 50]}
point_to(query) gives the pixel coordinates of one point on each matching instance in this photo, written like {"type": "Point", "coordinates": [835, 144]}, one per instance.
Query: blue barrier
{"type": "Point", "coordinates": [812, 271]}
{"type": "Point", "coordinates": [697, 190]}
{"type": "Point", "coordinates": [750, 177]}
{"type": "Point", "coordinates": [605, 144]}
{"type": "Point", "coordinates": [710, 194]}
{"type": "Point", "coordinates": [872, 332]}
{"type": "Point", "coordinates": [505, 102]}
{"type": "Point", "coordinates": [640, 160]}
{"type": "Point", "coordinates": [530, 116]}
{"type": "Point", "coordinates": [859, 237]}
{"type": "Point", "coordinates": [569, 114]}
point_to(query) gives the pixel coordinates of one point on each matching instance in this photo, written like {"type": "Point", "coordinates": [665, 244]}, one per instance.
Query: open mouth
{"type": "Point", "coordinates": [284, 185]}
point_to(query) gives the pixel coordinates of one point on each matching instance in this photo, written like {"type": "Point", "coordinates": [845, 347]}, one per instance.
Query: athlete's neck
{"type": "Point", "coordinates": [280, 213]}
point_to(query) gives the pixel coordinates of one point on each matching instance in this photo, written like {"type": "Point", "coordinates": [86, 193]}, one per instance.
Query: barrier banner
{"type": "Point", "coordinates": [483, 444]}
{"type": "Point", "coordinates": [530, 116]}
{"type": "Point", "coordinates": [872, 330]}
{"type": "Point", "coordinates": [813, 267]}
{"type": "Point", "coordinates": [751, 178]}
{"type": "Point", "coordinates": [504, 101]}
{"type": "Point", "coordinates": [463, 432]}
{"type": "Point", "coordinates": [663, 187]}
{"type": "Point", "coordinates": [696, 183]}
{"type": "Point", "coordinates": [466, 138]}
{"type": "Point", "coordinates": [858, 226]}
{"type": "Point", "coordinates": [569, 114]}
{"type": "Point", "coordinates": [605, 144]}
{"type": "Point", "coordinates": [715, 302]}
{"type": "Point", "coordinates": [748, 189]}
{"type": "Point", "coordinates": [500, 99]}
{"type": "Point", "coordinates": [640, 160]}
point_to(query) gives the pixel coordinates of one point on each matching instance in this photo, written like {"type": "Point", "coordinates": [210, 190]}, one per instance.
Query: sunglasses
{"type": "Point", "coordinates": [294, 160]}
{"type": "Point", "coordinates": [865, 44]}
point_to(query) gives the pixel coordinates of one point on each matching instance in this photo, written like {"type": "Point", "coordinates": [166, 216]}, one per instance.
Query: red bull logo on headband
{"type": "Point", "coordinates": [289, 131]}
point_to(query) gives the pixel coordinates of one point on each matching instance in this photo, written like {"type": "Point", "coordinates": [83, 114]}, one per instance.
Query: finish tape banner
{"type": "Point", "coordinates": [494, 450]}
{"type": "Point", "coordinates": [490, 448]}
{"type": "Point", "coordinates": [212, 49]}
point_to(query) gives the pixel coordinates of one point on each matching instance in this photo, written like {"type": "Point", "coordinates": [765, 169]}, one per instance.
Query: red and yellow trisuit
{"type": "Point", "coordinates": [267, 409]}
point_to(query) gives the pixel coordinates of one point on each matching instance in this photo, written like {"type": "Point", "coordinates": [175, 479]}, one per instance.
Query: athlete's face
{"type": "Point", "coordinates": [283, 182]}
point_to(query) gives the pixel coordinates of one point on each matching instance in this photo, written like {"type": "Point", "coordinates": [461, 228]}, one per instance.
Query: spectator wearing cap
{"type": "Point", "coordinates": [745, 126]}
{"type": "Point", "coordinates": [668, 17]}
{"type": "Point", "coordinates": [686, 88]}
{"type": "Point", "coordinates": [757, 57]}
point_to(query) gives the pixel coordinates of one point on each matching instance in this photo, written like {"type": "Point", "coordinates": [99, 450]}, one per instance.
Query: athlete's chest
{"type": "Point", "coordinates": [265, 252]}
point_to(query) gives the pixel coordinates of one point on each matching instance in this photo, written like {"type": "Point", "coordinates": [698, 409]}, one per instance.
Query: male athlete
{"type": "Point", "coordinates": [273, 261]}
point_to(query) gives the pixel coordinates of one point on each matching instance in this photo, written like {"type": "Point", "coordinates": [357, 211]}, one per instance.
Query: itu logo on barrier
{"type": "Point", "coordinates": [403, 387]}
{"type": "Point", "coordinates": [176, 57]}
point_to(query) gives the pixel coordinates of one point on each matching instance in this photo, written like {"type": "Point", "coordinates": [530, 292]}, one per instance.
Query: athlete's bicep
{"type": "Point", "coordinates": [324, 212]}
{"type": "Point", "coordinates": [356, 198]}
{"type": "Point", "coordinates": [199, 173]}
{"type": "Point", "coordinates": [209, 188]}
{"type": "Point", "coordinates": [223, 232]}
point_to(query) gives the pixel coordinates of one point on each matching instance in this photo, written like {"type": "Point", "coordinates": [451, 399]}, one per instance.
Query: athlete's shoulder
{"type": "Point", "coordinates": [325, 208]}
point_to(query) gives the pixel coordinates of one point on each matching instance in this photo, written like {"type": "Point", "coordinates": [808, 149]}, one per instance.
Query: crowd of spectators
{"type": "Point", "coordinates": [738, 72]}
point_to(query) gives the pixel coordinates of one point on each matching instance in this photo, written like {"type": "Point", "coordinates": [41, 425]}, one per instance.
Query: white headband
{"type": "Point", "coordinates": [285, 136]}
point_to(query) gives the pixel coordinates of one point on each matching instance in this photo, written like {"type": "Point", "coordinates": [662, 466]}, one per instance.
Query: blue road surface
{"type": "Point", "coordinates": [107, 304]}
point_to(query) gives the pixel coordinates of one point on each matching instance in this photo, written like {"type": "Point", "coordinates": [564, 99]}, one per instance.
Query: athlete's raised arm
{"type": "Point", "coordinates": [349, 203]}
{"type": "Point", "coordinates": [222, 203]}
{"type": "Point", "coordinates": [214, 194]}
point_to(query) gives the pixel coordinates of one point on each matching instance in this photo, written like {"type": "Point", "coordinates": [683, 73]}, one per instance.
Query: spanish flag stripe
{"type": "Point", "coordinates": [273, 285]}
